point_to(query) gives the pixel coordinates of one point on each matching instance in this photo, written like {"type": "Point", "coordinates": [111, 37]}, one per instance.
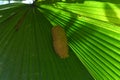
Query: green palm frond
{"type": "Point", "coordinates": [26, 48]}
{"type": "Point", "coordinates": [94, 35]}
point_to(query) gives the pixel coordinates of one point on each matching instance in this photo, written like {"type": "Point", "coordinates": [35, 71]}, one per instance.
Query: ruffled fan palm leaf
{"type": "Point", "coordinates": [26, 45]}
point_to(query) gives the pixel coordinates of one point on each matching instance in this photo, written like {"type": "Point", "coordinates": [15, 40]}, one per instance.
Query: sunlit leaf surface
{"type": "Point", "coordinates": [93, 30]}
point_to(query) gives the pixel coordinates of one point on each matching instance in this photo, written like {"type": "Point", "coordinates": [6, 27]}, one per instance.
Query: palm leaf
{"type": "Point", "coordinates": [93, 36]}
{"type": "Point", "coordinates": [26, 48]}
{"type": "Point", "coordinates": [26, 43]}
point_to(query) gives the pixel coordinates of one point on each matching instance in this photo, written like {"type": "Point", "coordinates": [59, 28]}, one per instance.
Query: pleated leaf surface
{"type": "Point", "coordinates": [93, 31]}
{"type": "Point", "coordinates": [26, 48]}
